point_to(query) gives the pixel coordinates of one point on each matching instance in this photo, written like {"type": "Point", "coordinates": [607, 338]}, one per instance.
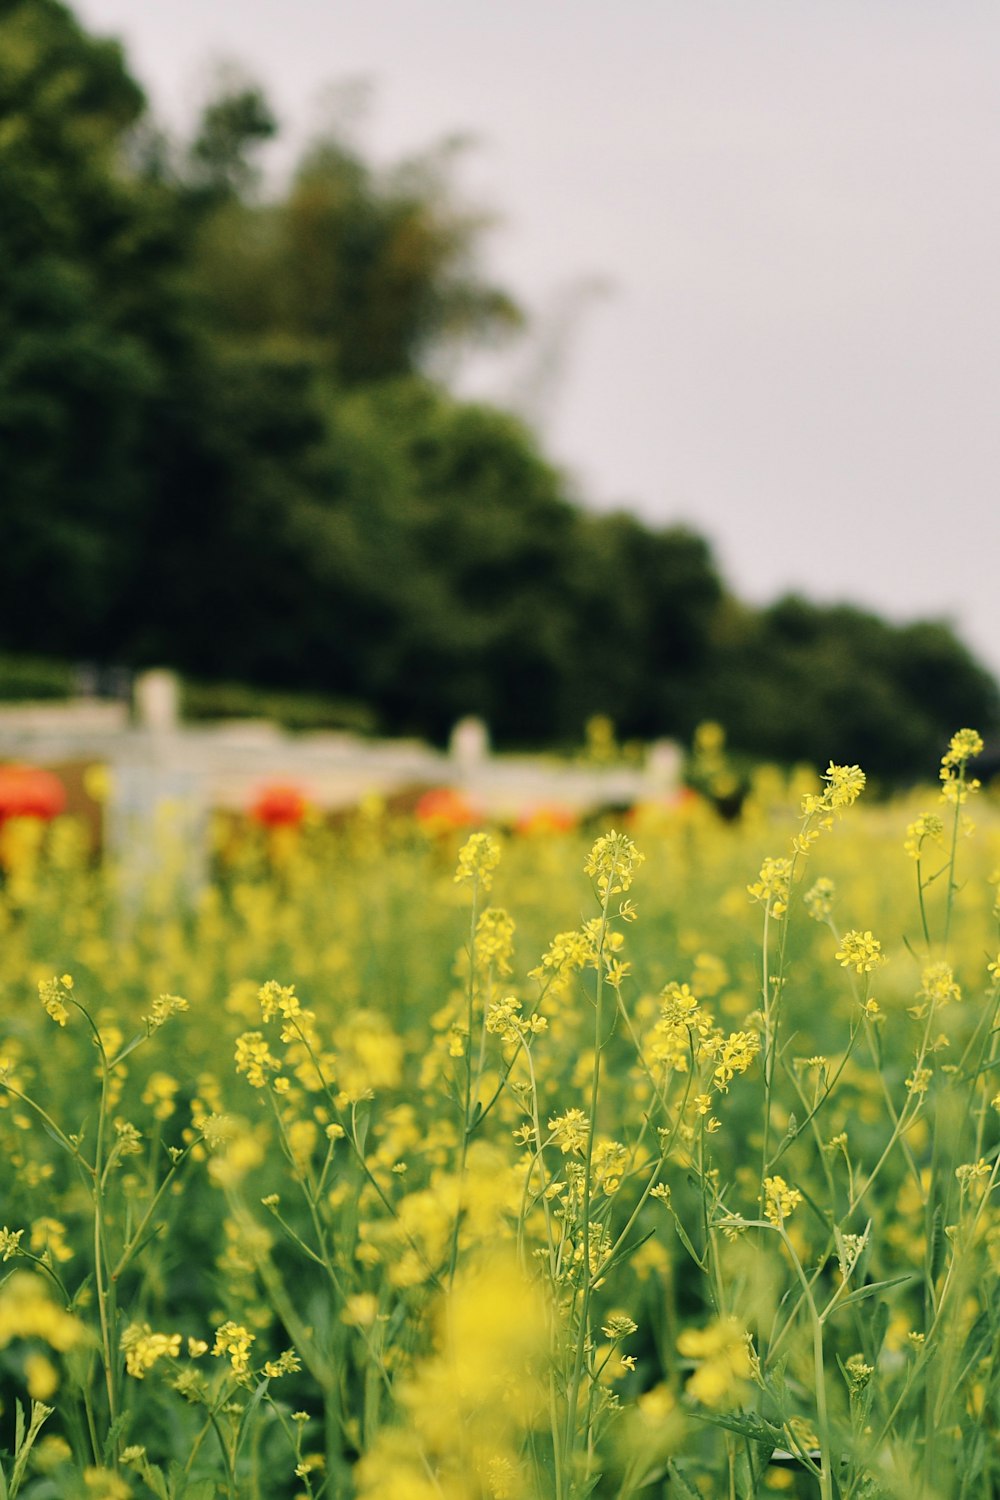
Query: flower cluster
{"type": "Point", "coordinates": [55, 997]}
{"type": "Point", "coordinates": [254, 1059]}
{"type": "Point", "coordinates": [819, 899]}
{"type": "Point", "coordinates": [780, 1200]}
{"type": "Point", "coordinates": [771, 886]}
{"type": "Point", "coordinates": [570, 1131]}
{"type": "Point", "coordinates": [937, 984]}
{"type": "Point", "coordinates": [234, 1340]}
{"type": "Point", "coordinates": [860, 951]}
{"type": "Point", "coordinates": [477, 859]}
{"type": "Point", "coordinates": [142, 1348]}
{"type": "Point", "coordinates": [162, 1008]}
{"type": "Point", "coordinates": [495, 940]}
{"type": "Point", "coordinates": [612, 862]}
{"type": "Point", "coordinates": [928, 827]}
{"type": "Point", "coordinates": [278, 999]}
{"type": "Point", "coordinates": [726, 1362]}
{"type": "Point", "coordinates": [504, 1019]}
{"type": "Point", "coordinates": [954, 786]}
{"type": "Point", "coordinates": [28, 1312]}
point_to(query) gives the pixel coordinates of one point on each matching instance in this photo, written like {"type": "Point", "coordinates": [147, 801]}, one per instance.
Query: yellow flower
{"type": "Point", "coordinates": [277, 998]}
{"type": "Point", "coordinates": [819, 899]}
{"type": "Point", "coordinates": [142, 1348]}
{"type": "Point", "coordinates": [735, 1055]}
{"type": "Point", "coordinates": [779, 1199]}
{"type": "Point", "coordinates": [161, 1010]}
{"type": "Point", "coordinates": [477, 859]}
{"type": "Point", "coordinates": [54, 993]}
{"type": "Point", "coordinates": [963, 746]}
{"type": "Point", "coordinates": [937, 984]}
{"type": "Point", "coordinates": [619, 1326]}
{"type": "Point", "coordinates": [771, 886]}
{"type": "Point", "coordinates": [235, 1340]}
{"type": "Point", "coordinates": [860, 951]}
{"type": "Point", "coordinates": [104, 1484]}
{"type": "Point", "coordinates": [160, 1092]}
{"type": "Point", "coordinates": [10, 1242]}
{"type": "Point", "coordinates": [495, 939]}
{"type": "Point", "coordinates": [569, 1131]}
{"type": "Point", "coordinates": [42, 1377]}
{"type": "Point", "coordinates": [285, 1364]}
{"type": "Point", "coordinates": [48, 1239]}
{"type": "Point", "coordinates": [613, 861]}
{"type": "Point", "coordinates": [927, 826]}
{"type": "Point", "coordinates": [360, 1310]}
{"type": "Point", "coordinates": [844, 785]}
{"type": "Point", "coordinates": [722, 1347]}
{"type": "Point", "coordinates": [254, 1058]}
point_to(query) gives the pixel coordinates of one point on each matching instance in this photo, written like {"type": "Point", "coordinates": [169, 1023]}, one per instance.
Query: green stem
{"type": "Point", "coordinates": [470, 993]}
{"type": "Point", "coordinates": [588, 1278]}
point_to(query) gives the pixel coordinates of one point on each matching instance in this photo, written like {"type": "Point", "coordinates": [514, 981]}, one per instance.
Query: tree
{"type": "Point", "coordinates": [366, 273]}
{"type": "Point", "coordinates": [221, 448]}
{"type": "Point", "coordinates": [800, 681]}
{"type": "Point", "coordinates": [85, 256]}
{"type": "Point", "coordinates": [233, 126]}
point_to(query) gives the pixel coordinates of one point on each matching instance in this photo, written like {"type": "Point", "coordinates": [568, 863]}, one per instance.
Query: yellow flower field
{"type": "Point", "coordinates": [656, 1162]}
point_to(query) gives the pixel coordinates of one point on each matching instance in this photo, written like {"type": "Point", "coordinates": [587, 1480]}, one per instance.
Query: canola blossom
{"type": "Point", "coordinates": [406, 1161]}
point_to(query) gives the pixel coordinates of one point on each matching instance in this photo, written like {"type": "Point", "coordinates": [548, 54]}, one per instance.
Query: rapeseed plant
{"type": "Point", "coordinates": [670, 1203]}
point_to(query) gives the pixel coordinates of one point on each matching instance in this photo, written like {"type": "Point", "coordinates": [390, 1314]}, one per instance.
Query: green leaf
{"type": "Point", "coordinates": [682, 1236]}
{"type": "Point", "coordinates": [681, 1485]}
{"type": "Point", "coordinates": [863, 1292]}
{"type": "Point", "coordinates": [118, 1429]}
{"type": "Point", "coordinates": [873, 1331]}
{"type": "Point", "coordinates": [201, 1489]}
{"type": "Point", "coordinates": [182, 1488]}
{"type": "Point", "coordinates": [153, 1476]}
{"type": "Point", "coordinates": [260, 1391]}
{"type": "Point", "coordinates": [129, 1046]}
{"type": "Point", "coordinates": [747, 1424]}
{"type": "Point", "coordinates": [938, 1244]}
{"type": "Point", "coordinates": [59, 1138]}
{"type": "Point", "coordinates": [652, 1477]}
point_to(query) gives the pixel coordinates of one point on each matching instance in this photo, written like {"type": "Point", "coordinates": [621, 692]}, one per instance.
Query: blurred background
{"type": "Point", "coordinates": [376, 366]}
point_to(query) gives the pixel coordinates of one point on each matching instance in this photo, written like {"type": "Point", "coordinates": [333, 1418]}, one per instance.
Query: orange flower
{"type": "Point", "coordinates": [279, 805]}
{"type": "Point", "coordinates": [30, 792]}
{"type": "Point", "coordinates": [442, 809]}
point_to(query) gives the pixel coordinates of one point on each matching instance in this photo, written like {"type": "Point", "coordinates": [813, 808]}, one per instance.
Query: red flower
{"type": "Point", "coordinates": [279, 805]}
{"type": "Point", "coordinates": [549, 818]}
{"type": "Point", "coordinates": [444, 808]}
{"type": "Point", "coordinates": [30, 792]}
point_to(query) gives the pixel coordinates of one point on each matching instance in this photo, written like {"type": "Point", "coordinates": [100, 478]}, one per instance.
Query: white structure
{"type": "Point", "coordinates": [166, 773]}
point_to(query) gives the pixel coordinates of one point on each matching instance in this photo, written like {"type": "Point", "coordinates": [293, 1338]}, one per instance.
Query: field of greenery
{"type": "Point", "coordinates": [428, 1163]}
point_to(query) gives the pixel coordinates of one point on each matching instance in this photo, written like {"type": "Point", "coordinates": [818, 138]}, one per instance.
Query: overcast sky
{"type": "Point", "coordinates": [793, 205]}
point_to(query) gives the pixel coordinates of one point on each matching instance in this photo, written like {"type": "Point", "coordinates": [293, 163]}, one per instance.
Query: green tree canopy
{"type": "Point", "coordinates": [366, 272]}
{"type": "Point", "coordinates": [221, 447]}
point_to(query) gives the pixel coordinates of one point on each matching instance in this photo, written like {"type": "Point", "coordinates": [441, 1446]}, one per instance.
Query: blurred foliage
{"type": "Point", "coordinates": [30, 678]}
{"type": "Point", "coordinates": [221, 449]}
{"type": "Point", "coordinates": [234, 700]}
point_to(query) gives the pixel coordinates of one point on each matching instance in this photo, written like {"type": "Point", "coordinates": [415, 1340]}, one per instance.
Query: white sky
{"type": "Point", "coordinates": [795, 205]}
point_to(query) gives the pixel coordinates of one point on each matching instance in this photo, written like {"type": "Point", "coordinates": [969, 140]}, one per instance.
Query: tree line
{"type": "Point", "coordinates": [221, 449]}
